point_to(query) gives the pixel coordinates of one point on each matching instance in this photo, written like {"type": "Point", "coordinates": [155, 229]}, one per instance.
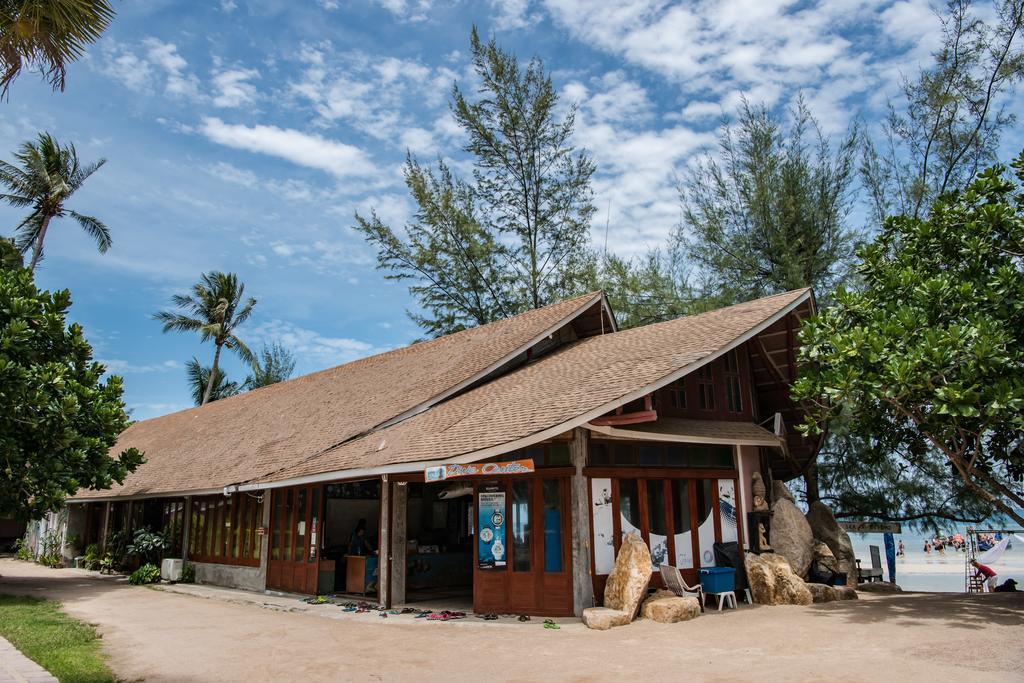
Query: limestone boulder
{"type": "Point", "coordinates": [846, 592]}
{"type": "Point", "coordinates": [791, 536]}
{"type": "Point", "coordinates": [627, 584]}
{"type": "Point", "coordinates": [781, 492]}
{"type": "Point", "coordinates": [603, 618]}
{"type": "Point", "coordinates": [880, 587]}
{"type": "Point", "coordinates": [824, 557]}
{"type": "Point", "coordinates": [827, 530]}
{"type": "Point", "coordinates": [670, 609]}
{"type": "Point", "coordinates": [822, 593]}
{"type": "Point", "coordinates": [773, 582]}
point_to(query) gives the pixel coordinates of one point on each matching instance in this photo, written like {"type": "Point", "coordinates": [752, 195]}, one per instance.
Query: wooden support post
{"type": "Point", "coordinates": [383, 554]}
{"type": "Point", "coordinates": [267, 496]}
{"type": "Point", "coordinates": [399, 509]}
{"type": "Point", "coordinates": [582, 582]}
{"type": "Point", "coordinates": [186, 527]}
{"type": "Point", "coordinates": [105, 527]}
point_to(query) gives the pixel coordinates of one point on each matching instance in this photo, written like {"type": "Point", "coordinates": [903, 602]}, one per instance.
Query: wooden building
{"type": "Point", "coordinates": [503, 463]}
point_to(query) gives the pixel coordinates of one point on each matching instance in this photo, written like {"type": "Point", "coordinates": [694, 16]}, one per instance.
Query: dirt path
{"type": "Point", "coordinates": [154, 635]}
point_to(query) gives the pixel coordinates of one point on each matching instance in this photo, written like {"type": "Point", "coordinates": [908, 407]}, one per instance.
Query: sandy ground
{"type": "Point", "coordinates": [157, 635]}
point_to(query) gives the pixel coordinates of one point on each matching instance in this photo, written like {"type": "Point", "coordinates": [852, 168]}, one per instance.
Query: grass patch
{"type": "Point", "coordinates": [66, 647]}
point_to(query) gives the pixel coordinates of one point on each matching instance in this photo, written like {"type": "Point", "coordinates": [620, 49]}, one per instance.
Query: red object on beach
{"type": "Point", "coordinates": [984, 569]}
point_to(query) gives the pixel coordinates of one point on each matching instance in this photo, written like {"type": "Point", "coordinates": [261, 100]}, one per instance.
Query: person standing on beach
{"type": "Point", "coordinates": [902, 551]}
{"type": "Point", "coordinates": [987, 572]}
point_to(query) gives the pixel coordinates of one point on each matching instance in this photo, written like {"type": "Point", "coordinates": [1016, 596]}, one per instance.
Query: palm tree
{"type": "Point", "coordinates": [214, 309]}
{"type": "Point", "coordinates": [47, 175]}
{"type": "Point", "coordinates": [274, 364]}
{"type": "Point", "coordinates": [199, 378]}
{"type": "Point", "coordinates": [47, 34]}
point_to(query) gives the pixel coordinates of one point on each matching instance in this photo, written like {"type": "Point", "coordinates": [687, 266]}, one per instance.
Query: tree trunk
{"type": "Point", "coordinates": [213, 376]}
{"type": "Point", "coordinates": [37, 246]}
{"type": "Point", "coordinates": [811, 484]}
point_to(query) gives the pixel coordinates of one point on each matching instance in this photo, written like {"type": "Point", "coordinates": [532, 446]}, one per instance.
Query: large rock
{"type": "Point", "coordinates": [791, 536]}
{"type": "Point", "coordinates": [772, 581]}
{"type": "Point", "coordinates": [667, 608]}
{"type": "Point", "coordinates": [627, 584]}
{"type": "Point", "coordinates": [827, 530]}
{"type": "Point", "coordinates": [880, 587]}
{"type": "Point", "coordinates": [824, 557]}
{"type": "Point", "coordinates": [823, 593]}
{"type": "Point", "coordinates": [781, 492]}
{"type": "Point", "coordinates": [603, 618]}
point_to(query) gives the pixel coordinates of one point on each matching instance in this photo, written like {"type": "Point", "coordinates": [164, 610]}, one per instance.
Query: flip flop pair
{"type": "Point", "coordinates": [550, 623]}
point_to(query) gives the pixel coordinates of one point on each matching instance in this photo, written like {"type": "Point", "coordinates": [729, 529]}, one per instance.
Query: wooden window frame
{"type": "Point", "coordinates": [733, 383]}
{"type": "Point", "coordinates": [218, 525]}
{"type": "Point", "coordinates": [705, 377]}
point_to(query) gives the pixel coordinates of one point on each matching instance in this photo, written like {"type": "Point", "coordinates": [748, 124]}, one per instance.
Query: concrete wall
{"type": "Point", "coordinates": [230, 576]}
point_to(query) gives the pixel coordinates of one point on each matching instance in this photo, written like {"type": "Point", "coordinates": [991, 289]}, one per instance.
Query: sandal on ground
{"type": "Point", "coordinates": [549, 623]}
{"type": "Point", "coordinates": [524, 617]}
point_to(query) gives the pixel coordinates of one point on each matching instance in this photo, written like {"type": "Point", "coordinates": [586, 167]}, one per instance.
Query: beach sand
{"type": "Point", "coordinates": [935, 572]}
{"type": "Point", "coordinates": [155, 635]}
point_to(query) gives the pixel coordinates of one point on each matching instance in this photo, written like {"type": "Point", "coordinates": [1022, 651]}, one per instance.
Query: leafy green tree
{"type": "Point", "coordinates": [58, 417]}
{"type": "Point", "coordinates": [198, 376]}
{"type": "Point", "coordinates": [651, 288]}
{"type": "Point", "coordinates": [456, 267]}
{"type": "Point", "coordinates": [927, 356]}
{"type": "Point", "coordinates": [274, 363]}
{"type": "Point", "coordinates": [10, 257]}
{"type": "Point", "coordinates": [517, 236]}
{"type": "Point", "coordinates": [46, 35]}
{"type": "Point", "coordinates": [215, 309]}
{"type": "Point", "coordinates": [46, 177]}
{"type": "Point", "coordinates": [771, 216]}
{"type": "Point", "coordinates": [953, 113]}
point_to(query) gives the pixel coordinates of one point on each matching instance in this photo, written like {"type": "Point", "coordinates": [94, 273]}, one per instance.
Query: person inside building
{"type": "Point", "coordinates": [357, 542]}
{"type": "Point", "coordinates": [987, 572]}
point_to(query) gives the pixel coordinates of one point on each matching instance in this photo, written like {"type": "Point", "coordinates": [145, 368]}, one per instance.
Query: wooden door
{"type": "Point", "coordinates": [537, 578]}
{"type": "Point", "coordinates": [295, 522]}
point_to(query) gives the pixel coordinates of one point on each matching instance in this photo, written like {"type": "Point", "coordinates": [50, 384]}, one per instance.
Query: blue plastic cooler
{"type": "Point", "coordinates": [718, 579]}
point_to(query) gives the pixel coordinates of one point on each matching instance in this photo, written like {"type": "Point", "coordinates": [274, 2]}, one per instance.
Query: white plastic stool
{"type": "Point", "coordinates": [727, 597]}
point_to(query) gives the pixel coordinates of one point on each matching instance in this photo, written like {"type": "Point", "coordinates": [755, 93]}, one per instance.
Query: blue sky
{"type": "Point", "coordinates": [242, 135]}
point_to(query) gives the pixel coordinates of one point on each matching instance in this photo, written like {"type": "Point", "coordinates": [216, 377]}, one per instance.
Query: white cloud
{"type": "Point", "coordinates": [407, 10]}
{"type": "Point", "coordinates": [312, 151]}
{"type": "Point", "coordinates": [120, 367]}
{"type": "Point", "coordinates": [312, 349]}
{"type": "Point", "coordinates": [513, 14]}
{"type": "Point", "coordinates": [149, 65]}
{"type": "Point", "coordinates": [371, 93]}
{"type": "Point", "coordinates": [228, 6]}
{"type": "Point", "coordinates": [233, 89]}
{"type": "Point", "coordinates": [233, 174]}
{"type": "Point", "coordinates": [712, 51]}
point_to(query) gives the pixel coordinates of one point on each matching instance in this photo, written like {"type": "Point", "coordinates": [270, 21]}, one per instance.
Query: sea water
{"type": "Point", "coordinates": [936, 572]}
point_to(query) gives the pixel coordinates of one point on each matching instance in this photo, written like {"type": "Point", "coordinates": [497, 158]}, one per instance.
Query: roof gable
{"type": "Point", "coordinates": [245, 436]}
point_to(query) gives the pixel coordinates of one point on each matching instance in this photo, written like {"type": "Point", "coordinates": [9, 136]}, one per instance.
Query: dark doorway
{"type": "Point", "coordinates": [439, 543]}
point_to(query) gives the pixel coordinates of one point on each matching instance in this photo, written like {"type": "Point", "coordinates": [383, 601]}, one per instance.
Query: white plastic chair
{"type": "Point", "coordinates": [674, 582]}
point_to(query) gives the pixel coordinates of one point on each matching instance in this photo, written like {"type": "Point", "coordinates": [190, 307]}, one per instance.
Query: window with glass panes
{"type": "Point", "coordinates": [225, 530]}
{"type": "Point", "coordinates": [677, 395]}
{"type": "Point", "coordinates": [733, 392]}
{"type": "Point", "coordinates": [706, 387]}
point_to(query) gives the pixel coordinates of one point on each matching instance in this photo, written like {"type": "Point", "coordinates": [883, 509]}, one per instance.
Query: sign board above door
{"type": "Point", "coordinates": [478, 469]}
{"type": "Point", "coordinates": [872, 527]}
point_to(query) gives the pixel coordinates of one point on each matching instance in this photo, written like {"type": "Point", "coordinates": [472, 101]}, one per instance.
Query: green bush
{"type": "Point", "coordinates": [23, 551]}
{"type": "Point", "coordinates": [149, 546]}
{"type": "Point", "coordinates": [50, 547]}
{"type": "Point", "coordinates": [147, 573]}
{"type": "Point", "coordinates": [188, 573]}
{"type": "Point", "coordinates": [93, 556]}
